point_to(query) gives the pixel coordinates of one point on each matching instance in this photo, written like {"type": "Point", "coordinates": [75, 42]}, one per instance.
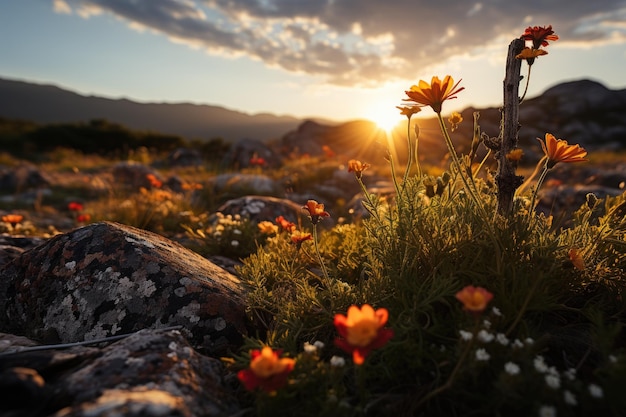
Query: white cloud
{"type": "Point", "coordinates": [359, 42]}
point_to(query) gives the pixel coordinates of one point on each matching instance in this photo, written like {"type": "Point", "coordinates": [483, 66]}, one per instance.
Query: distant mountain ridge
{"type": "Point", "coordinates": [50, 104]}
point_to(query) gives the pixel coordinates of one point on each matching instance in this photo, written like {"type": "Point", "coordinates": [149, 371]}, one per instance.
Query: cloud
{"type": "Point", "coordinates": [360, 42]}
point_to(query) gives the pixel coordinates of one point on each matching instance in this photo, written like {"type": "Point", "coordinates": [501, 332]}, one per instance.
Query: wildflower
{"type": "Point", "coordinates": [12, 218]}
{"type": "Point", "coordinates": [267, 370]}
{"type": "Point", "coordinates": [409, 111]}
{"type": "Point", "coordinates": [474, 299]}
{"type": "Point", "coordinates": [267, 228]}
{"type": "Point", "coordinates": [337, 361]}
{"type": "Point", "coordinates": [465, 335]}
{"type": "Point", "coordinates": [539, 35]}
{"type": "Point", "coordinates": [74, 206]}
{"type": "Point", "coordinates": [485, 337]}
{"type": "Point", "coordinates": [357, 167]}
{"type": "Point", "coordinates": [558, 150]}
{"type": "Point", "coordinates": [285, 224]}
{"type": "Point", "coordinates": [257, 160]}
{"type": "Point", "coordinates": [455, 119]}
{"type": "Point", "coordinates": [515, 155]}
{"type": "Point", "coordinates": [511, 368]}
{"type": "Point", "coordinates": [577, 259]}
{"type": "Point", "coordinates": [482, 355]}
{"type": "Point", "coordinates": [309, 348]}
{"type": "Point", "coordinates": [154, 181]}
{"type": "Point", "coordinates": [83, 218]}
{"type": "Point", "coordinates": [529, 54]}
{"type": "Point", "coordinates": [328, 152]}
{"type": "Point", "coordinates": [496, 311]}
{"type": "Point", "coordinates": [298, 237]}
{"type": "Point", "coordinates": [502, 339]}
{"type": "Point", "coordinates": [319, 344]}
{"type": "Point", "coordinates": [517, 344]}
{"type": "Point", "coordinates": [487, 324]}
{"type": "Point", "coordinates": [234, 243]}
{"type": "Point", "coordinates": [529, 341]}
{"type": "Point", "coordinates": [570, 374]}
{"type": "Point", "coordinates": [595, 391]}
{"type": "Point", "coordinates": [547, 411]}
{"type": "Point", "coordinates": [553, 381]}
{"type": "Point", "coordinates": [540, 364]}
{"type": "Point", "coordinates": [569, 398]}
{"type": "Point", "coordinates": [316, 211]}
{"type": "Point", "coordinates": [362, 331]}
{"type": "Point", "coordinates": [435, 93]}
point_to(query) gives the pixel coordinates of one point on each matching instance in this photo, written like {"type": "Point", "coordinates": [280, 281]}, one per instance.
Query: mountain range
{"type": "Point", "coordinates": [50, 104]}
{"type": "Point", "coordinates": [583, 112]}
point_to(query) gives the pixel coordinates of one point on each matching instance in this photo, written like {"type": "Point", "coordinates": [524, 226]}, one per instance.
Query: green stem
{"type": "Point", "coordinates": [373, 212]}
{"type": "Point", "coordinates": [542, 177]}
{"type": "Point", "coordinates": [320, 259]}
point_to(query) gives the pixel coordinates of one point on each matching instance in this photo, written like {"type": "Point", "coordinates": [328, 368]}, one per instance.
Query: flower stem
{"type": "Point", "coordinates": [542, 177]}
{"type": "Point", "coordinates": [320, 259]}
{"type": "Point", "coordinates": [526, 87]}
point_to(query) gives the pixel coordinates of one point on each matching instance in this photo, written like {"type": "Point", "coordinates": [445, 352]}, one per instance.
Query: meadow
{"type": "Point", "coordinates": [450, 296]}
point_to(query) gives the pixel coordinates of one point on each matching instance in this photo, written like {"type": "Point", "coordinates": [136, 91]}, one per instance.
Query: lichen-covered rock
{"type": "Point", "coordinates": [106, 279]}
{"type": "Point", "coordinates": [149, 373]}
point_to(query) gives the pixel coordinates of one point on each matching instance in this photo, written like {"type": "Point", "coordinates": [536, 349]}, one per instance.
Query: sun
{"type": "Point", "coordinates": [385, 115]}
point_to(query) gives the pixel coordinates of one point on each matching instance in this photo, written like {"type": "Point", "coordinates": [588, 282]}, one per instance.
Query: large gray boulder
{"type": "Point", "coordinates": [107, 279]}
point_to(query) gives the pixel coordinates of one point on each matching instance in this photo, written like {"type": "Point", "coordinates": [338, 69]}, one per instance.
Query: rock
{"type": "Point", "coordinates": [22, 177]}
{"type": "Point", "coordinates": [133, 175]}
{"type": "Point", "coordinates": [243, 151]}
{"type": "Point", "coordinates": [263, 208]}
{"type": "Point", "coordinates": [235, 184]}
{"type": "Point", "coordinates": [149, 373]}
{"type": "Point", "coordinates": [12, 247]}
{"type": "Point", "coordinates": [106, 278]}
{"type": "Point", "coordinates": [185, 157]}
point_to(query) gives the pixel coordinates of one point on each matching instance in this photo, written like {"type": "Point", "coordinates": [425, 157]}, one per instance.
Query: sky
{"type": "Point", "coordinates": [333, 59]}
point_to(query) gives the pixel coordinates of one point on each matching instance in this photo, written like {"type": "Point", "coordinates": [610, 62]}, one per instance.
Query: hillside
{"type": "Point", "coordinates": [50, 104]}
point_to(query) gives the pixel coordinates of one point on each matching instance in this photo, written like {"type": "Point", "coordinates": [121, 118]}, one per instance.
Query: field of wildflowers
{"type": "Point", "coordinates": [452, 297]}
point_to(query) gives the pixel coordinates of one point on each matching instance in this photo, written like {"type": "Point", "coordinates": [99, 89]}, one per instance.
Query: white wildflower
{"type": "Point", "coordinates": [234, 243]}
{"type": "Point", "coordinates": [596, 391]}
{"type": "Point", "coordinates": [337, 361]}
{"type": "Point", "coordinates": [547, 411]}
{"type": "Point", "coordinates": [502, 339]}
{"type": "Point", "coordinates": [482, 355]}
{"type": "Point", "coordinates": [612, 359]}
{"type": "Point", "coordinates": [319, 344]}
{"type": "Point", "coordinates": [485, 337]}
{"type": "Point", "coordinates": [518, 344]}
{"type": "Point", "coordinates": [465, 335]}
{"type": "Point", "coordinates": [570, 374]}
{"type": "Point", "coordinates": [309, 348]}
{"type": "Point", "coordinates": [486, 324]}
{"type": "Point", "coordinates": [496, 311]}
{"type": "Point", "coordinates": [569, 398]}
{"type": "Point", "coordinates": [511, 368]}
{"type": "Point", "coordinates": [553, 381]}
{"type": "Point", "coordinates": [529, 341]}
{"type": "Point", "coordinates": [237, 231]}
{"type": "Point", "coordinates": [540, 364]}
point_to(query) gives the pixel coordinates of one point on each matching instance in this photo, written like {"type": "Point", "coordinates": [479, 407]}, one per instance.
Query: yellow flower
{"type": "Point", "coordinates": [409, 111]}
{"type": "Point", "coordinates": [455, 119]}
{"type": "Point", "coordinates": [558, 150]}
{"type": "Point", "coordinates": [530, 53]}
{"type": "Point", "coordinates": [267, 228]}
{"type": "Point", "coordinates": [435, 93]}
{"type": "Point", "coordinates": [515, 155]}
{"type": "Point", "coordinates": [577, 259]}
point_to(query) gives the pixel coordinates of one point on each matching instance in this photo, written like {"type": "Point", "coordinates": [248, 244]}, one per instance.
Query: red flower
{"type": "Point", "coordinates": [285, 224]}
{"type": "Point", "coordinates": [83, 218]}
{"type": "Point", "coordinates": [12, 218]}
{"type": "Point", "coordinates": [539, 35]}
{"type": "Point", "coordinates": [74, 206]}
{"type": "Point", "coordinates": [154, 181]}
{"type": "Point", "coordinates": [257, 160]}
{"type": "Point", "coordinates": [362, 331]}
{"type": "Point", "coordinates": [316, 210]}
{"type": "Point", "coordinates": [267, 371]}
{"type": "Point", "coordinates": [298, 237]}
{"type": "Point", "coordinates": [474, 299]}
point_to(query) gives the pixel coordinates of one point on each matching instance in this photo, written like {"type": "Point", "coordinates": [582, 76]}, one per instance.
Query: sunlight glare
{"type": "Point", "coordinates": [385, 115]}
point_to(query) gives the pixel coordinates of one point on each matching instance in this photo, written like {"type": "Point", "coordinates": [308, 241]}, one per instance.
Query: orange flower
{"type": "Point", "coordinates": [435, 93]}
{"type": "Point", "coordinates": [530, 53]}
{"type": "Point", "coordinates": [316, 210]}
{"type": "Point", "coordinates": [328, 152]}
{"type": "Point", "coordinates": [362, 331]}
{"type": "Point", "coordinates": [539, 35]}
{"type": "Point", "coordinates": [474, 299]}
{"type": "Point", "coordinates": [558, 150]}
{"type": "Point", "coordinates": [12, 218]}
{"type": "Point", "coordinates": [285, 224]}
{"type": "Point", "coordinates": [267, 228]}
{"type": "Point", "coordinates": [74, 206]}
{"type": "Point", "coordinates": [577, 259]}
{"type": "Point", "coordinates": [357, 167]}
{"type": "Point", "coordinates": [154, 181]}
{"type": "Point", "coordinates": [267, 371]}
{"type": "Point", "coordinates": [409, 111]}
{"type": "Point", "coordinates": [455, 119]}
{"type": "Point", "coordinates": [298, 237]}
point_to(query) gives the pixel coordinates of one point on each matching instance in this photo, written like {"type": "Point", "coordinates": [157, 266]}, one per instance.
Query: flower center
{"type": "Point", "coordinates": [362, 332]}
